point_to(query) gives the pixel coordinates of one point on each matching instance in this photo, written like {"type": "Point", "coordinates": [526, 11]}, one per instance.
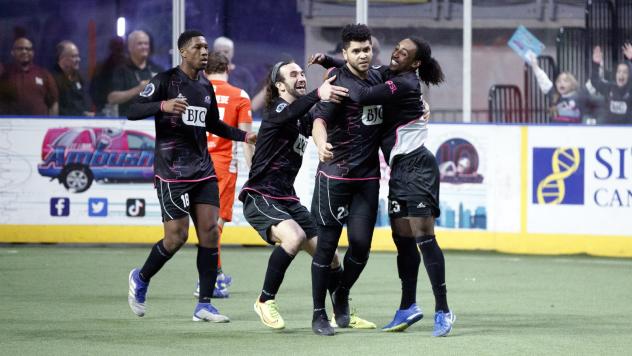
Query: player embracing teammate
{"type": "Point", "coordinates": [414, 181]}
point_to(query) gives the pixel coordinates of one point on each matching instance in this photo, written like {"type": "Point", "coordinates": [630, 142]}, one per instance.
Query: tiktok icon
{"type": "Point", "coordinates": [135, 207]}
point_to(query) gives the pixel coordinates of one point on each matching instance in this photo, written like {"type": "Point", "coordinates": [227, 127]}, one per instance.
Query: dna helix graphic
{"type": "Point", "coordinates": [564, 162]}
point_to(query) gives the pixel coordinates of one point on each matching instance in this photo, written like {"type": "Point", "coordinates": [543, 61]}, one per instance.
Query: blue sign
{"type": "Point", "coordinates": [524, 43]}
{"type": "Point", "coordinates": [98, 207]}
{"type": "Point", "coordinates": [59, 206]}
{"type": "Point", "coordinates": [558, 176]}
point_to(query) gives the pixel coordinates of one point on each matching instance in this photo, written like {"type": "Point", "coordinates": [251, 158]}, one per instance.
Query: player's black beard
{"type": "Point", "coordinates": [293, 92]}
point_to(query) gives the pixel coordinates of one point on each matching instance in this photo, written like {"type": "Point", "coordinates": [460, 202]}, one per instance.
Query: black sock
{"type": "Point", "coordinates": [277, 265]}
{"type": "Point", "coordinates": [334, 278]}
{"type": "Point", "coordinates": [353, 266]}
{"type": "Point", "coordinates": [207, 270]}
{"type": "Point", "coordinates": [328, 237]}
{"type": "Point", "coordinates": [435, 266]}
{"type": "Point", "coordinates": [156, 259]}
{"type": "Point", "coordinates": [408, 260]}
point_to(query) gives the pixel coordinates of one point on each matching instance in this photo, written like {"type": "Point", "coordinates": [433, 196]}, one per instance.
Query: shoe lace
{"type": "Point", "coordinates": [274, 310]}
{"type": "Point", "coordinates": [212, 309]}
{"type": "Point", "coordinates": [440, 319]}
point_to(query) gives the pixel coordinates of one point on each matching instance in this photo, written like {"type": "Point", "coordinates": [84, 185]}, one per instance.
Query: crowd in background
{"type": "Point", "coordinates": [31, 90]}
{"type": "Point", "coordinates": [600, 100]}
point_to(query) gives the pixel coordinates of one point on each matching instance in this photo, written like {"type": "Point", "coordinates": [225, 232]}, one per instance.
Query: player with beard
{"type": "Point", "coordinates": [183, 104]}
{"type": "Point", "coordinates": [270, 202]}
{"type": "Point", "coordinates": [347, 182]}
{"type": "Point", "coordinates": [414, 182]}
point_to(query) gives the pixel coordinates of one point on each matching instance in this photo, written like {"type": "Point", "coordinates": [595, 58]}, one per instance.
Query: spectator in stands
{"type": "Point", "coordinates": [239, 76]}
{"type": "Point", "coordinates": [567, 97]}
{"type": "Point", "coordinates": [618, 94]}
{"type": "Point", "coordinates": [131, 77]}
{"type": "Point", "coordinates": [337, 51]}
{"type": "Point", "coordinates": [73, 98]}
{"type": "Point", "coordinates": [29, 89]}
{"type": "Point", "coordinates": [101, 84]}
{"type": "Point", "coordinates": [376, 51]}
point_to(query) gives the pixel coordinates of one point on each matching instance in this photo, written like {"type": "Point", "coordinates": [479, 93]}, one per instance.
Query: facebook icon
{"type": "Point", "coordinates": [59, 206]}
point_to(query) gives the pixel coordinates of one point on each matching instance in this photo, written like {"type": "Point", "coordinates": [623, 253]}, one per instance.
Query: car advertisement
{"type": "Point", "coordinates": [77, 172]}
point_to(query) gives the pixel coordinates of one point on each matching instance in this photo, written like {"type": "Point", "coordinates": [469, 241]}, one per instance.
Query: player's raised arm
{"type": "Point", "coordinates": [216, 126]}
{"type": "Point", "coordinates": [389, 91]}
{"type": "Point", "coordinates": [325, 61]}
{"type": "Point", "coordinates": [148, 102]}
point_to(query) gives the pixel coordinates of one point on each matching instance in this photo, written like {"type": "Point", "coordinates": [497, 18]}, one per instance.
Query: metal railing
{"type": "Point", "coordinates": [601, 25]}
{"type": "Point", "coordinates": [573, 54]}
{"type": "Point", "coordinates": [505, 104]}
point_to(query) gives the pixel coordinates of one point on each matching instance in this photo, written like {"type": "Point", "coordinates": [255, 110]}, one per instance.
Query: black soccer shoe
{"type": "Point", "coordinates": [340, 300]}
{"type": "Point", "coordinates": [320, 326]}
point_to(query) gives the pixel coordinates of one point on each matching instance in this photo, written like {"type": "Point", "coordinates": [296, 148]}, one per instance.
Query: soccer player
{"type": "Point", "coordinates": [347, 183]}
{"type": "Point", "coordinates": [184, 107]}
{"type": "Point", "coordinates": [270, 202]}
{"type": "Point", "coordinates": [414, 182]}
{"type": "Point", "coordinates": [234, 109]}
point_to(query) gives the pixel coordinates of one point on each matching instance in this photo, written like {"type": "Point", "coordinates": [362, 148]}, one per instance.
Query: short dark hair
{"type": "Point", "coordinates": [355, 32]}
{"type": "Point", "coordinates": [186, 36]}
{"type": "Point", "coordinates": [217, 63]}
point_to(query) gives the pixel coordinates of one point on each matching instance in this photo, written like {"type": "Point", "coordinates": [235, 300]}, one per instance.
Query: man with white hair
{"type": "Point", "coordinates": [130, 78]}
{"type": "Point", "coordinates": [239, 75]}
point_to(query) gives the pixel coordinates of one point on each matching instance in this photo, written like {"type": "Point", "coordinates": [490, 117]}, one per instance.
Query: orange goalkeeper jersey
{"type": "Point", "coordinates": [234, 108]}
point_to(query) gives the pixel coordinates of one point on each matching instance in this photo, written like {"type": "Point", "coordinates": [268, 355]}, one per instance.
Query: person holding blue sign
{"type": "Point", "coordinates": [569, 102]}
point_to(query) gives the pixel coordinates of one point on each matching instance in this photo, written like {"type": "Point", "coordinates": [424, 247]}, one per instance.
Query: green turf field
{"type": "Point", "coordinates": [73, 300]}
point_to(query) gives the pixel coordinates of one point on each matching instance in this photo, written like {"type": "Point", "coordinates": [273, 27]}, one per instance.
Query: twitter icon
{"type": "Point", "coordinates": [98, 207]}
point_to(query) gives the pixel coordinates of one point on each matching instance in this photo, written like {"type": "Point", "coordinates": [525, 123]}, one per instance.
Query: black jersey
{"type": "Point", "coordinates": [181, 153]}
{"type": "Point", "coordinates": [404, 129]}
{"type": "Point", "coordinates": [281, 142]}
{"type": "Point", "coordinates": [618, 99]}
{"type": "Point", "coordinates": [352, 129]}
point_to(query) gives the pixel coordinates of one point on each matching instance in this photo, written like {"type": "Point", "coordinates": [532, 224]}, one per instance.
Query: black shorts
{"type": "Point", "coordinates": [262, 213]}
{"type": "Point", "coordinates": [176, 198]}
{"type": "Point", "coordinates": [414, 185]}
{"type": "Point", "coordinates": [335, 199]}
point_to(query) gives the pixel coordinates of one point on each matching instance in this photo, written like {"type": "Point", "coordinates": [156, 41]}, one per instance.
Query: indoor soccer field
{"type": "Point", "coordinates": [56, 299]}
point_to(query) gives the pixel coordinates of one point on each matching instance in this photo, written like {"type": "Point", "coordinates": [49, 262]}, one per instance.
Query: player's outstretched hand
{"type": "Point", "coordinates": [325, 152]}
{"type": "Point", "coordinates": [316, 58]}
{"type": "Point", "coordinates": [251, 138]}
{"type": "Point", "coordinates": [330, 92]}
{"type": "Point", "coordinates": [174, 106]}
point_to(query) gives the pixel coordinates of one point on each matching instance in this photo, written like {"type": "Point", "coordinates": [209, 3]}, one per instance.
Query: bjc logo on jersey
{"type": "Point", "coordinates": [372, 115]}
{"type": "Point", "coordinates": [135, 207]}
{"type": "Point", "coordinates": [194, 116]}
